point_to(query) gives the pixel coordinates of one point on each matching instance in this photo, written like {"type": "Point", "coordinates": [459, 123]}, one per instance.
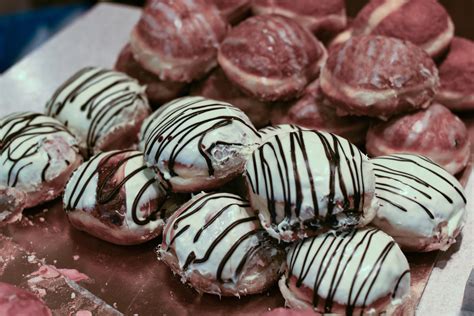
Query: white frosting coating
{"type": "Point", "coordinates": [34, 148]}
{"type": "Point", "coordinates": [95, 101]}
{"type": "Point", "coordinates": [83, 191]}
{"type": "Point", "coordinates": [309, 179]}
{"type": "Point", "coordinates": [270, 131]}
{"type": "Point", "coordinates": [207, 137]}
{"type": "Point", "coordinates": [214, 234]}
{"type": "Point", "coordinates": [420, 204]}
{"type": "Point", "coordinates": [353, 269]}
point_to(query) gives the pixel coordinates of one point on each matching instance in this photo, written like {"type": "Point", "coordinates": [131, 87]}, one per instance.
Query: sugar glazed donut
{"type": "Point", "coordinates": [103, 108]}
{"type": "Point", "coordinates": [360, 272]}
{"type": "Point", "coordinates": [178, 39]}
{"type": "Point", "coordinates": [37, 156]}
{"type": "Point", "coordinates": [198, 144]}
{"type": "Point", "coordinates": [15, 301]}
{"type": "Point", "coordinates": [115, 197]}
{"type": "Point", "coordinates": [271, 57]}
{"type": "Point", "coordinates": [421, 206]}
{"type": "Point", "coordinates": [379, 76]}
{"type": "Point", "coordinates": [435, 132]}
{"type": "Point", "coordinates": [305, 182]}
{"type": "Point", "coordinates": [158, 91]}
{"type": "Point", "coordinates": [423, 22]}
{"type": "Point", "coordinates": [457, 76]}
{"type": "Point", "coordinates": [216, 244]}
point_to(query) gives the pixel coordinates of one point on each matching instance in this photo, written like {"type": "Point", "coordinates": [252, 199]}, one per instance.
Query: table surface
{"type": "Point", "coordinates": [97, 37]}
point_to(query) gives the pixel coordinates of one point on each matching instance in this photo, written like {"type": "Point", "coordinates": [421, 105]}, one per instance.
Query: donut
{"type": "Point", "coordinates": [115, 197]}
{"type": "Point", "coordinates": [421, 206]}
{"type": "Point", "coordinates": [456, 74]}
{"type": "Point", "coordinates": [435, 132]}
{"type": "Point", "coordinates": [313, 112]}
{"type": "Point", "coordinates": [271, 57]}
{"type": "Point", "coordinates": [233, 11]}
{"type": "Point", "coordinates": [218, 87]}
{"type": "Point", "coordinates": [16, 301]}
{"type": "Point", "coordinates": [12, 203]}
{"type": "Point", "coordinates": [378, 76]}
{"type": "Point", "coordinates": [305, 182]}
{"type": "Point", "coordinates": [197, 144]}
{"type": "Point", "coordinates": [215, 243]}
{"type": "Point", "coordinates": [423, 22]}
{"type": "Point", "coordinates": [157, 90]}
{"type": "Point", "coordinates": [178, 39]}
{"type": "Point", "coordinates": [103, 108]}
{"type": "Point", "coordinates": [360, 272]}
{"type": "Point", "coordinates": [268, 132]}
{"type": "Point", "coordinates": [37, 156]}
{"type": "Point", "coordinates": [324, 18]}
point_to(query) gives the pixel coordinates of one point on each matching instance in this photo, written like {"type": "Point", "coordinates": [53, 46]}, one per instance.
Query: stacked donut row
{"type": "Point", "coordinates": [379, 87]}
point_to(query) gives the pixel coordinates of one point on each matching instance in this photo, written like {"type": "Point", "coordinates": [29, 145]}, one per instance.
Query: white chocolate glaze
{"type": "Point", "coordinates": [94, 102]}
{"type": "Point", "coordinates": [197, 137]}
{"type": "Point", "coordinates": [421, 205]}
{"type": "Point", "coordinates": [270, 131]}
{"type": "Point", "coordinates": [354, 270]}
{"type": "Point", "coordinates": [34, 149]}
{"type": "Point", "coordinates": [307, 180]}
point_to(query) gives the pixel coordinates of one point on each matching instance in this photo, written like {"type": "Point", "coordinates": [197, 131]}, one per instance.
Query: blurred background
{"type": "Point", "coordinates": [26, 24]}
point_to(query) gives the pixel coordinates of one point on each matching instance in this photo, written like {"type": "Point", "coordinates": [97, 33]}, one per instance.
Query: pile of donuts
{"type": "Point", "coordinates": [258, 177]}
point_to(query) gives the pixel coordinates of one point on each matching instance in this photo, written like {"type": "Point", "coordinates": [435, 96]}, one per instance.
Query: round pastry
{"type": "Point", "coordinates": [281, 129]}
{"type": "Point", "coordinates": [218, 87]}
{"type": "Point", "coordinates": [435, 132]}
{"type": "Point", "coordinates": [178, 39]}
{"type": "Point", "coordinates": [115, 197]}
{"type": "Point", "coordinates": [361, 272]}
{"type": "Point", "coordinates": [305, 182]}
{"type": "Point", "coordinates": [421, 206]}
{"type": "Point", "coordinates": [15, 301]}
{"type": "Point", "coordinates": [379, 76]}
{"type": "Point", "coordinates": [37, 156]}
{"type": "Point", "coordinates": [216, 244]}
{"type": "Point", "coordinates": [457, 76]}
{"type": "Point", "coordinates": [423, 22]}
{"type": "Point", "coordinates": [324, 18]}
{"type": "Point", "coordinates": [271, 57]}
{"type": "Point", "coordinates": [157, 91]}
{"type": "Point", "coordinates": [313, 111]}
{"type": "Point", "coordinates": [103, 108]}
{"type": "Point", "coordinates": [233, 11]}
{"type": "Point", "coordinates": [198, 144]}
{"type": "Point", "coordinates": [12, 203]}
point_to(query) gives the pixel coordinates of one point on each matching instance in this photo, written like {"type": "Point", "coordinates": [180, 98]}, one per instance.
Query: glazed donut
{"type": "Point", "coordinates": [216, 244]}
{"type": "Point", "coordinates": [12, 203]}
{"type": "Point", "coordinates": [268, 132]}
{"type": "Point", "coordinates": [197, 144]}
{"type": "Point", "coordinates": [218, 87]}
{"type": "Point", "coordinates": [15, 301]}
{"type": "Point", "coordinates": [103, 108]}
{"type": "Point", "coordinates": [360, 272]}
{"type": "Point", "coordinates": [457, 76]}
{"type": "Point", "coordinates": [178, 39]}
{"type": "Point", "coordinates": [157, 90]}
{"type": "Point", "coordinates": [313, 112]}
{"type": "Point", "coordinates": [271, 57]}
{"type": "Point", "coordinates": [233, 11]}
{"type": "Point", "coordinates": [423, 22]}
{"type": "Point", "coordinates": [378, 76]}
{"type": "Point", "coordinates": [421, 206]}
{"type": "Point", "coordinates": [115, 197]}
{"type": "Point", "coordinates": [435, 132]}
{"type": "Point", "coordinates": [37, 156]}
{"type": "Point", "coordinates": [324, 18]}
{"type": "Point", "coordinates": [298, 196]}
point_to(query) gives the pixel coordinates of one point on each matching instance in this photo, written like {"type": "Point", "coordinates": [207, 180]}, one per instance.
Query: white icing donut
{"type": "Point", "coordinates": [270, 131]}
{"type": "Point", "coordinates": [305, 181]}
{"type": "Point", "coordinates": [103, 108]}
{"type": "Point", "coordinates": [421, 205]}
{"type": "Point", "coordinates": [215, 242]}
{"type": "Point", "coordinates": [37, 155]}
{"type": "Point", "coordinates": [358, 272]}
{"type": "Point", "coordinates": [115, 197]}
{"type": "Point", "coordinates": [197, 144]}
